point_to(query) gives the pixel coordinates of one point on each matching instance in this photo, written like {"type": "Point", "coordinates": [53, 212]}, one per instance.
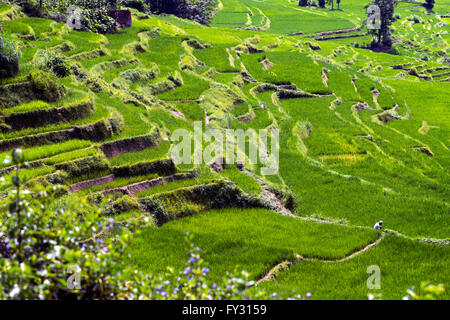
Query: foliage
{"type": "Point", "coordinates": [349, 168]}
{"type": "Point", "coordinates": [197, 10]}
{"type": "Point", "coordinates": [62, 5]}
{"type": "Point", "coordinates": [45, 86]}
{"type": "Point", "coordinates": [124, 204]}
{"type": "Point", "coordinates": [96, 21]}
{"type": "Point", "coordinates": [426, 291]}
{"type": "Point", "coordinates": [429, 4]}
{"type": "Point", "coordinates": [31, 8]}
{"type": "Point", "coordinates": [382, 35]}
{"type": "Point", "coordinates": [50, 61]}
{"type": "Point", "coordinates": [139, 5]}
{"type": "Point", "coordinates": [42, 238]}
{"type": "Point", "coordinates": [93, 14]}
{"type": "Point", "coordinates": [303, 3]}
{"type": "Point", "coordinates": [9, 58]}
{"type": "Point", "coordinates": [52, 249]}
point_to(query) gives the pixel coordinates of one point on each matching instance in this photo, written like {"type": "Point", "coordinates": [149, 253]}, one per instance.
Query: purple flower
{"type": "Point", "coordinates": [214, 285]}
{"type": "Point", "coordinates": [175, 291]}
{"type": "Point", "coordinates": [167, 282]}
{"type": "Point", "coordinates": [105, 249]}
{"type": "Point", "coordinates": [99, 240]}
{"type": "Point", "coordinates": [197, 249]}
{"type": "Point", "coordinates": [197, 257]}
{"type": "Point", "coordinates": [163, 293]}
{"type": "Point", "coordinates": [205, 271]}
{"type": "Point", "coordinates": [191, 260]}
{"type": "Point", "coordinates": [273, 295]}
{"type": "Point", "coordinates": [8, 246]}
{"type": "Point", "coordinates": [187, 270]}
{"type": "Point", "coordinates": [308, 294]}
{"type": "Point", "coordinates": [111, 220]}
{"type": "Point", "coordinates": [228, 287]}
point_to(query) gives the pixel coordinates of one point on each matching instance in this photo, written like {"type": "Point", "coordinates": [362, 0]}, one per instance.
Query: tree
{"type": "Point", "coordinates": [429, 4]}
{"type": "Point", "coordinates": [197, 10]}
{"type": "Point", "coordinates": [382, 34]}
{"type": "Point", "coordinates": [9, 58]}
{"type": "Point", "coordinates": [303, 3]}
{"type": "Point", "coordinates": [338, 3]}
{"type": "Point", "coordinates": [322, 3]}
{"type": "Point", "coordinates": [332, 4]}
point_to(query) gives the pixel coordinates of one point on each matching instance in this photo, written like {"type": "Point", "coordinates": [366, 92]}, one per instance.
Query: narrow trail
{"type": "Point", "coordinates": [271, 197]}
{"type": "Point", "coordinates": [286, 264]}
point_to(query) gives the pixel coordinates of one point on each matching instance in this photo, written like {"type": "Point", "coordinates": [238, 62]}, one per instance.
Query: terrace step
{"type": "Point", "coordinates": [341, 37]}
{"type": "Point", "coordinates": [90, 183]}
{"type": "Point", "coordinates": [188, 201]}
{"type": "Point", "coordinates": [134, 144]}
{"type": "Point", "coordinates": [96, 131]}
{"type": "Point", "coordinates": [43, 117]}
{"type": "Point", "coordinates": [326, 33]}
{"type": "Point", "coordinates": [138, 187]}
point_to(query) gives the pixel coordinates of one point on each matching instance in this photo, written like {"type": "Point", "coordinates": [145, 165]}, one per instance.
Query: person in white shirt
{"type": "Point", "coordinates": [378, 225]}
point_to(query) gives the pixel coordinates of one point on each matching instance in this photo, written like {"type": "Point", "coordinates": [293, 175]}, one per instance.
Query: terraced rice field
{"type": "Point", "coordinates": [363, 137]}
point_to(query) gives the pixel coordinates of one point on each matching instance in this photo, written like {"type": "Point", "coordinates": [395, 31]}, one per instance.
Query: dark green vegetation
{"type": "Point", "coordinates": [363, 136]}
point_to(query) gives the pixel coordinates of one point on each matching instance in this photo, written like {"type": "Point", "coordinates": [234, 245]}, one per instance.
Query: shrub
{"type": "Point", "coordinates": [124, 204]}
{"type": "Point", "coordinates": [31, 8]}
{"type": "Point", "coordinates": [53, 62]}
{"type": "Point", "coordinates": [9, 58]}
{"type": "Point", "coordinates": [161, 167]}
{"type": "Point", "coordinates": [43, 238]}
{"type": "Point", "coordinates": [97, 21]}
{"type": "Point", "coordinates": [197, 10]}
{"type": "Point", "coordinates": [303, 3]}
{"type": "Point", "coordinates": [84, 166]}
{"type": "Point", "coordinates": [136, 4]}
{"type": "Point", "coordinates": [45, 86]}
{"type": "Point", "coordinates": [284, 194]}
{"type": "Point", "coordinates": [50, 248]}
{"type": "Point", "coordinates": [322, 3]}
{"type": "Point", "coordinates": [429, 4]}
{"type": "Point", "coordinates": [426, 291]}
{"type": "Point", "coordinates": [62, 5]}
{"type": "Point", "coordinates": [135, 75]}
{"type": "Point", "coordinates": [182, 202]}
